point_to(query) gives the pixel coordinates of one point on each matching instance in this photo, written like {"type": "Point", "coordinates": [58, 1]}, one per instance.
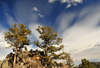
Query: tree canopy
{"type": "Point", "coordinates": [16, 37]}
{"type": "Point", "coordinates": [69, 61]}
{"type": "Point", "coordinates": [51, 43]}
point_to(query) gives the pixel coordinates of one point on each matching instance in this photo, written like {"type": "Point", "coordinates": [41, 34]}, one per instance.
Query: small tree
{"type": "Point", "coordinates": [86, 64]}
{"type": "Point", "coordinates": [69, 61]}
{"type": "Point", "coordinates": [49, 39]}
{"type": "Point", "coordinates": [17, 38]}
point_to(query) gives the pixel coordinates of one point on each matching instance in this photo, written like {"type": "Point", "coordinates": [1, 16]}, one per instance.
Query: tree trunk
{"type": "Point", "coordinates": [21, 49]}
{"type": "Point", "coordinates": [46, 55]}
{"type": "Point", "coordinates": [15, 58]}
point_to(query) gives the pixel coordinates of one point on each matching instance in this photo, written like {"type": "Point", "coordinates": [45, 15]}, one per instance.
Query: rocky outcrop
{"type": "Point", "coordinates": [26, 59]}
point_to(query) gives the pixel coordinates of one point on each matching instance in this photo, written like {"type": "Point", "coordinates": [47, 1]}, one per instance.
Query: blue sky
{"type": "Point", "coordinates": [76, 21]}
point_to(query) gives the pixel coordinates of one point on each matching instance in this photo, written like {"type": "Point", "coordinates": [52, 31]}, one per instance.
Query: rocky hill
{"type": "Point", "coordinates": [28, 59]}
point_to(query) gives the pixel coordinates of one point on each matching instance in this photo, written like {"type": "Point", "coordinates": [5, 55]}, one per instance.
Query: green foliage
{"type": "Point", "coordinates": [62, 55]}
{"type": "Point", "coordinates": [49, 39]}
{"type": "Point", "coordinates": [17, 36]}
{"type": "Point", "coordinates": [48, 36]}
{"type": "Point", "coordinates": [86, 64]}
{"type": "Point", "coordinates": [69, 61]}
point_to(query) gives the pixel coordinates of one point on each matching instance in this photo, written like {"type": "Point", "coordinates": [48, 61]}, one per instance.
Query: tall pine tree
{"type": "Point", "coordinates": [50, 38]}
{"type": "Point", "coordinates": [17, 38]}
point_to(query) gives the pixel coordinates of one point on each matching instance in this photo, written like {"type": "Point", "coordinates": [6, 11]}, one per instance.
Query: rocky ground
{"type": "Point", "coordinates": [27, 59]}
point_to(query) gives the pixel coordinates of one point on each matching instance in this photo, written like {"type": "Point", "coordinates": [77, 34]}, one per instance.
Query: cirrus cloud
{"type": "Point", "coordinates": [69, 2]}
{"type": "Point", "coordinates": [81, 35]}
{"type": "Point", "coordinates": [35, 9]}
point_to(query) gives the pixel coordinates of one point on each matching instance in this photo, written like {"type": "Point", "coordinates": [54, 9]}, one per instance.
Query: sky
{"type": "Point", "coordinates": [76, 21]}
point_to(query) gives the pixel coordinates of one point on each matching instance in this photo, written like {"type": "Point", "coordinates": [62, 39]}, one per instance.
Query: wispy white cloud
{"type": "Point", "coordinates": [10, 19]}
{"type": "Point", "coordinates": [35, 9]}
{"type": "Point", "coordinates": [2, 41]}
{"type": "Point", "coordinates": [3, 44]}
{"type": "Point", "coordinates": [63, 1]}
{"type": "Point", "coordinates": [52, 1]}
{"type": "Point", "coordinates": [64, 20]}
{"type": "Point", "coordinates": [40, 15]}
{"type": "Point", "coordinates": [83, 34]}
{"type": "Point", "coordinates": [33, 27]}
{"type": "Point", "coordinates": [74, 4]}
{"type": "Point", "coordinates": [91, 53]}
{"type": "Point", "coordinates": [69, 5]}
{"type": "Point", "coordinates": [69, 2]}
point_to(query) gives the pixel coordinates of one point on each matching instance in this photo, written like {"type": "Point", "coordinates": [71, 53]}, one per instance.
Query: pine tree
{"type": "Point", "coordinates": [17, 38]}
{"type": "Point", "coordinates": [86, 64]}
{"type": "Point", "coordinates": [69, 61]}
{"type": "Point", "coordinates": [49, 39]}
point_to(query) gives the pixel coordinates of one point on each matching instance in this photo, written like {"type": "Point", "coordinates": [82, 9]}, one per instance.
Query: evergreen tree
{"type": "Point", "coordinates": [17, 38]}
{"type": "Point", "coordinates": [69, 61]}
{"type": "Point", "coordinates": [86, 64]}
{"type": "Point", "coordinates": [49, 39]}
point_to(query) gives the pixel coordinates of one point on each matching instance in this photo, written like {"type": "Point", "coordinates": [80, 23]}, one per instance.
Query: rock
{"type": "Point", "coordinates": [5, 64]}
{"type": "Point", "coordinates": [17, 66]}
{"type": "Point", "coordinates": [35, 65]}
{"type": "Point", "coordinates": [20, 65]}
{"type": "Point", "coordinates": [27, 59]}
{"type": "Point", "coordinates": [23, 66]}
{"type": "Point", "coordinates": [64, 65]}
